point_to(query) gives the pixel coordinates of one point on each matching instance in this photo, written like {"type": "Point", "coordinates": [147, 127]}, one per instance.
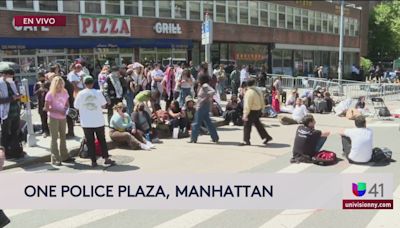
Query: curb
{"type": "Point", "coordinates": [73, 152]}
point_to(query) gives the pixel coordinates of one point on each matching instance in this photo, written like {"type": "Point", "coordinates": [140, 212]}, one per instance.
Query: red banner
{"type": "Point", "coordinates": [40, 20]}
{"type": "Point", "coordinates": [356, 204]}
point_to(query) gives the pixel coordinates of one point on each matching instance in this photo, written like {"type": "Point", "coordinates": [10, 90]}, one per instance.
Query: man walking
{"type": "Point", "coordinates": [252, 110]}
{"type": "Point", "coordinates": [89, 102]}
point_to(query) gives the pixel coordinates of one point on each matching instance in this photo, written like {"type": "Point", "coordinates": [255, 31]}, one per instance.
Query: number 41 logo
{"type": "Point", "coordinates": [360, 188]}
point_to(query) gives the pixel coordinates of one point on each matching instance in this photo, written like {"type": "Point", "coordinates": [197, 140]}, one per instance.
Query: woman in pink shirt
{"type": "Point", "coordinates": [56, 104]}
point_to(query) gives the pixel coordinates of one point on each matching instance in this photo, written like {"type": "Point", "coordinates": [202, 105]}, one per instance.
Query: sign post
{"type": "Point", "coordinates": [207, 40]}
{"type": "Point", "coordinates": [24, 88]}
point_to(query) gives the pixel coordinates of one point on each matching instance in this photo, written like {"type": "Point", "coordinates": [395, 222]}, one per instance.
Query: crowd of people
{"type": "Point", "coordinates": [136, 116]}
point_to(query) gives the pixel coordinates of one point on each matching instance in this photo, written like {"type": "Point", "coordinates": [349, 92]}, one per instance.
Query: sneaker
{"type": "Point", "coordinates": [57, 163]}
{"type": "Point", "coordinates": [267, 140]}
{"type": "Point", "coordinates": [94, 164]}
{"type": "Point", "coordinates": [109, 162]}
{"type": "Point", "coordinates": [192, 141]}
{"type": "Point", "coordinates": [231, 124]}
{"type": "Point", "coordinates": [144, 147]}
{"type": "Point", "coordinates": [45, 135]}
{"type": "Point", "coordinates": [244, 144]}
{"type": "Point", "coordinates": [149, 144]}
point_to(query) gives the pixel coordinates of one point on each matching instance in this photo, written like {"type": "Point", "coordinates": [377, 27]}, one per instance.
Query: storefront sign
{"type": "Point", "coordinates": [40, 20]}
{"type": "Point", "coordinates": [167, 28]}
{"type": "Point", "coordinates": [249, 57]}
{"type": "Point", "coordinates": [29, 28]}
{"type": "Point", "coordinates": [104, 26]}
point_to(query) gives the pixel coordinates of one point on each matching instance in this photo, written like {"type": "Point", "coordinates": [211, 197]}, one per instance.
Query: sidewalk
{"type": "Point", "coordinates": [41, 152]}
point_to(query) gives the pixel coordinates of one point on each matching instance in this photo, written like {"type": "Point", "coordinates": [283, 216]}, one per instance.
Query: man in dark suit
{"type": "Point", "coordinates": [114, 90]}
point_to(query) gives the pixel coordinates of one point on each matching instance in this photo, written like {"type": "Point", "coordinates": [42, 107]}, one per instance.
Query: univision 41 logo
{"type": "Point", "coordinates": [360, 188]}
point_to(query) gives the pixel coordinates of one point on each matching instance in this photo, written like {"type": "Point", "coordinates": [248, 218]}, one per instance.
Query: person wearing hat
{"type": "Point", "coordinates": [114, 90]}
{"type": "Point", "coordinates": [90, 103]}
{"type": "Point", "coordinates": [10, 115]}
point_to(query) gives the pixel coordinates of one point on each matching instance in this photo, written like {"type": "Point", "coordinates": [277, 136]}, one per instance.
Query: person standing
{"type": "Point", "coordinates": [252, 111]}
{"type": "Point", "coordinates": [89, 102]}
{"type": "Point", "coordinates": [70, 122]}
{"type": "Point", "coordinates": [4, 220]}
{"type": "Point", "coordinates": [10, 115]}
{"type": "Point", "coordinates": [40, 90]}
{"type": "Point", "coordinates": [262, 77]}
{"type": "Point", "coordinates": [75, 77]}
{"type": "Point", "coordinates": [157, 77]}
{"type": "Point", "coordinates": [221, 81]}
{"type": "Point", "coordinates": [114, 90]}
{"type": "Point", "coordinates": [203, 107]}
{"type": "Point", "coordinates": [56, 104]}
{"type": "Point", "coordinates": [168, 85]}
{"type": "Point", "coordinates": [235, 80]}
{"type": "Point", "coordinates": [185, 83]}
{"type": "Point", "coordinates": [244, 74]}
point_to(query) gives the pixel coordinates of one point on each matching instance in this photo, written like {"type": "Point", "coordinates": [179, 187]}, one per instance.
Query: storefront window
{"type": "Point", "coordinates": [304, 20]}
{"type": "Point", "coordinates": [351, 22]}
{"type": "Point", "coordinates": [27, 64]}
{"type": "Point", "coordinates": [27, 52]}
{"type": "Point", "coordinates": [221, 15]}
{"type": "Point", "coordinates": [253, 13]}
{"type": "Point", "coordinates": [48, 5]}
{"type": "Point", "coordinates": [71, 6]}
{"type": "Point", "coordinates": [196, 53]}
{"type": "Point", "coordinates": [112, 7]}
{"type": "Point", "coordinates": [244, 12]}
{"type": "Point", "coordinates": [194, 10]}
{"type": "Point", "coordinates": [333, 64]}
{"type": "Point", "coordinates": [287, 62]}
{"type": "Point", "coordinates": [125, 50]}
{"type": "Point", "coordinates": [92, 7]}
{"type": "Point", "coordinates": [179, 55]}
{"type": "Point", "coordinates": [232, 11]}
{"type": "Point", "coordinates": [289, 17]}
{"type": "Point", "coordinates": [2, 4]}
{"type": "Point", "coordinates": [223, 53]}
{"type": "Point", "coordinates": [131, 8]}
{"type": "Point", "coordinates": [277, 62]}
{"type": "Point", "coordinates": [297, 19]}
{"type": "Point", "coordinates": [317, 58]}
{"type": "Point", "coordinates": [165, 8]}
{"type": "Point", "coordinates": [246, 54]}
{"type": "Point", "coordinates": [25, 4]}
{"type": "Point", "coordinates": [163, 55]}
{"type": "Point", "coordinates": [149, 8]}
{"type": "Point", "coordinates": [208, 7]}
{"type": "Point", "coordinates": [298, 63]}
{"type": "Point", "coordinates": [180, 9]}
{"type": "Point", "coordinates": [264, 13]}
{"type": "Point", "coordinates": [311, 20]}
{"type": "Point", "coordinates": [10, 52]}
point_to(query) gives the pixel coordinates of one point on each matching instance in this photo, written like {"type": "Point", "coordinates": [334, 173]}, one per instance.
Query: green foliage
{"type": "Point", "coordinates": [365, 64]}
{"type": "Point", "coordinates": [384, 36]}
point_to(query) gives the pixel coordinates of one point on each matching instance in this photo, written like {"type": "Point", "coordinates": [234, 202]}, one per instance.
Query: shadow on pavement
{"type": "Point", "coordinates": [121, 168]}
{"type": "Point", "coordinates": [276, 145]}
{"type": "Point", "coordinates": [229, 129]}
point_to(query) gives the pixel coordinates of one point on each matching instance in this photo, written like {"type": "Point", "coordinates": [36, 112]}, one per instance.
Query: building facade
{"type": "Point", "coordinates": [289, 37]}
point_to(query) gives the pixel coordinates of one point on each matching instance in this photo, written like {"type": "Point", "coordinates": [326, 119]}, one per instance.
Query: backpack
{"type": "Point", "coordinates": [384, 112]}
{"type": "Point", "coordinates": [325, 158]}
{"type": "Point", "coordinates": [381, 155]}
{"type": "Point", "coordinates": [83, 149]}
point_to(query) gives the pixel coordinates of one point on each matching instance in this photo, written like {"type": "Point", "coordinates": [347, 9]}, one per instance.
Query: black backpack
{"type": "Point", "coordinates": [384, 112]}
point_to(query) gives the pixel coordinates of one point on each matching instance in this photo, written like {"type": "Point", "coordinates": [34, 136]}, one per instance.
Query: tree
{"type": "Point", "coordinates": [384, 34]}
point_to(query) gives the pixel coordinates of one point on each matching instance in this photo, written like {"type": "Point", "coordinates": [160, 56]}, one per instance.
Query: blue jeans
{"type": "Point", "coordinates": [221, 87]}
{"type": "Point", "coordinates": [129, 102]}
{"type": "Point", "coordinates": [320, 144]}
{"type": "Point", "coordinates": [182, 95]}
{"type": "Point", "coordinates": [202, 115]}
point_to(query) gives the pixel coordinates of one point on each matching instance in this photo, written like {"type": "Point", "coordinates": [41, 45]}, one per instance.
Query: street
{"type": "Point", "coordinates": [176, 156]}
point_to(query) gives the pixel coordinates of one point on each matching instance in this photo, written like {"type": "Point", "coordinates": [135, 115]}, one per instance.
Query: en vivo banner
{"type": "Point", "coordinates": [205, 191]}
{"type": "Point", "coordinates": [104, 26]}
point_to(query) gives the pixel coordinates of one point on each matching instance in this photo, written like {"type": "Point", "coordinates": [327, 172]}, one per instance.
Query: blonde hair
{"type": "Point", "coordinates": [119, 105]}
{"type": "Point", "coordinates": [56, 81]}
{"type": "Point", "coordinates": [136, 108]}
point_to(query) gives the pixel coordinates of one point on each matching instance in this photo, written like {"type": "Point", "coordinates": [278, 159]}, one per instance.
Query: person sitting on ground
{"type": "Point", "coordinates": [357, 142]}
{"type": "Point", "coordinates": [216, 109]}
{"type": "Point", "coordinates": [144, 97]}
{"type": "Point", "coordinates": [320, 104]}
{"type": "Point", "coordinates": [189, 111]}
{"type": "Point", "coordinates": [308, 141]}
{"type": "Point", "coordinates": [176, 117]}
{"type": "Point", "coordinates": [232, 112]}
{"type": "Point", "coordinates": [143, 123]}
{"type": "Point", "coordinates": [290, 102]}
{"type": "Point", "coordinates": [329, 102]}
{"type": "Point", "coordinates": [159, 116]}
{"type": "Point", "coordinates": [299, 112]}
{"type": "Point", "coordinates": [360, 106]}
{"type": "Point", "coordinates": [123, 130]}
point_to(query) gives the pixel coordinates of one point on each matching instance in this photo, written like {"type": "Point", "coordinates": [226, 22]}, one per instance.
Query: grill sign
{"type": "Point", "coordinates": [104, 26]}
{"type": "Point", "coordinates": [167, 28]}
